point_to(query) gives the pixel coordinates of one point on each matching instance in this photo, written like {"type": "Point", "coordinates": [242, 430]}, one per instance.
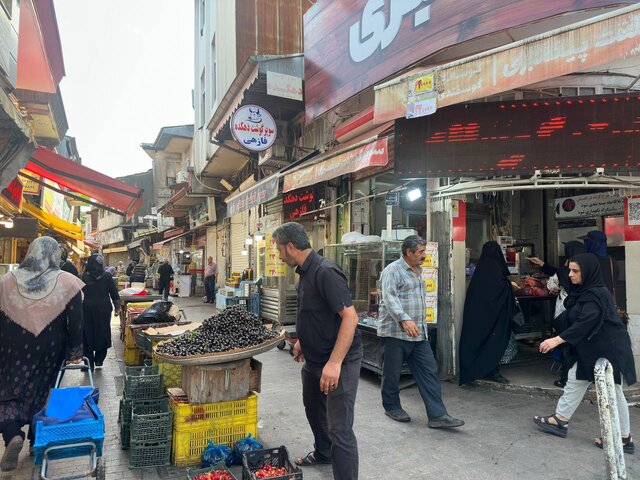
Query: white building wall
{"type": "Point", "coordinates": [215, 62]}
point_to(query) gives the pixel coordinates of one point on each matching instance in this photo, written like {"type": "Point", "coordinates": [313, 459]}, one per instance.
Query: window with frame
{"type": "Point", "coordinates": [214, 71]}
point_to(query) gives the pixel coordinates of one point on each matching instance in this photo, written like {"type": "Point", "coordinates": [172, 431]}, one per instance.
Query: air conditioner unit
{"type": "Point", "coordinates": [273, 157]}
{"type": "Point", "coordinates": [182, 176]}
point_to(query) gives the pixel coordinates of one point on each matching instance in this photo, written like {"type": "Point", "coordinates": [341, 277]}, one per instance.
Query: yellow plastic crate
{"type": "Point", "coordinates": [129, 337]}
{"type": "Point", "coordinates": [188, 445]}
{"type": "Point", "coordinates": [132, 356]}
{"type": "Point", "coordinates": [172, 372]}
{"type": "Point", "coordinates": [205, 415]}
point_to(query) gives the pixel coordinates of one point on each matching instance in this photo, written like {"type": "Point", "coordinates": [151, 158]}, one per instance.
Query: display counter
{"type": "Point", "coordinates": [538, 313]}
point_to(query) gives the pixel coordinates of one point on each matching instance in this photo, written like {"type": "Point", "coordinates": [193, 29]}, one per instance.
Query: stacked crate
{"type": "Point", "coordinates": [145, 418]}
{"type": "Point", "coordinates": [223, 422]}
{"type": "Point", "coordinates": [132, 354]}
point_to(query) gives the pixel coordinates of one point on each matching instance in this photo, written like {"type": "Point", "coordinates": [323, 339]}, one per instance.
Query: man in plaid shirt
{"type": "Point", "coordinates": [403, 334]}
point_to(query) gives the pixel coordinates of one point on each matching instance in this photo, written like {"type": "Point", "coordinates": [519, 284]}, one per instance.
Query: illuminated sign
{"type": "Point", "coordinates": [13, 193]}
{"type": "Point", "coordinates": [299, 202]}
{"type": "Point", "coordinates": [254, 128]}
{"type": "Point", "coordinates": [560, 135]}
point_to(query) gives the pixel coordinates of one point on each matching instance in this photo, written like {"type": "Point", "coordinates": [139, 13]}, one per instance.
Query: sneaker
{"type": "Point", "coordinates": [398, 415]}
{"type": "Point", "coordinates": [98, 366]}
{"type": "Point", "coordinates": [445, 421]}
{"type": "Point", "coordinates": [11, 452]}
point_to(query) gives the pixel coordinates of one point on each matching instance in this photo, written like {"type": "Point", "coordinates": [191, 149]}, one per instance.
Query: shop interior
{"type": "Point", "coordinates": [536, 223]}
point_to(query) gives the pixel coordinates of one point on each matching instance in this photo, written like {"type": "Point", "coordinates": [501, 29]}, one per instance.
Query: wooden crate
{"type": "Point", "coordinates": [216, 383]}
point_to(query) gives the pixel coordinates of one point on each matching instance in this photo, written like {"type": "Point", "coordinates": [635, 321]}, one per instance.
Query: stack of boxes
{"type": "Point", "coordinates": [132, 354]}
{"type": "Point", "coordinates": [145, 418]}
{"type": "Point", "coordinates": [217, 403]}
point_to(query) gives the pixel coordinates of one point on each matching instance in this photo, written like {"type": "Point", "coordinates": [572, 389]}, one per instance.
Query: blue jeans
{"type": "Point", "coordinates": [422, 364]}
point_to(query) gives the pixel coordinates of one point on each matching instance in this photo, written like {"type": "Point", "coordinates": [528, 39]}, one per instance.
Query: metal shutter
{"type": "Point", "coordinates": [239, 231]}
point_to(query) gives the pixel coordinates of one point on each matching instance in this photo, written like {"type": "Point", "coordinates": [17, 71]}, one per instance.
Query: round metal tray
{"type": "Point", "coordinates": [221, 357]}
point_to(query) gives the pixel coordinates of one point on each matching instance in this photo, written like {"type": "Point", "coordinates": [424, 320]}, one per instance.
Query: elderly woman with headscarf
{"type": "Point", "coordinates": [40, 327]}
{"type": "Point", "coordinates": [489, 309]}
{"type": "Point", "coordinates": [100, 292]}
{"type": "Point", "coordinates": [595, 331]}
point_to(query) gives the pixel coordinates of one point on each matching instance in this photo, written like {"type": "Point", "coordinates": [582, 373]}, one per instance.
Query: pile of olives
{"type": "Point", "coordinates": [232, 328]}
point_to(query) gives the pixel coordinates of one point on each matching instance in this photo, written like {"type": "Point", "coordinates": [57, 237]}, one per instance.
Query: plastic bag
{"type": "Point", "coordinates": [214, 454]}
{"type": "Point", "coordinates": [247, 444]}
{"type": "Point", "coordinates": [69, 405]}
{"type": "Point", "coordinates": [158, 312]}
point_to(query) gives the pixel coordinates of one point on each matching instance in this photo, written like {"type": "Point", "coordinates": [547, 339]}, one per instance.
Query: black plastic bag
{"type": "Point", "coordinates": [158, 312]}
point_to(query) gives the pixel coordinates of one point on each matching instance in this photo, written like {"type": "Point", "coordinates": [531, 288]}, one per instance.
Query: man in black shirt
{"type": "Point", "coordinates": [165, 272]}
{"type": "Point", "coordinates": [329, 345]}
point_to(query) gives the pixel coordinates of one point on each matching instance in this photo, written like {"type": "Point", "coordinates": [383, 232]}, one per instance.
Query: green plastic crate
{"type": "Point", "coordinates": [150, 427]}
{"type": "Point", "coordinates": [150, 454]}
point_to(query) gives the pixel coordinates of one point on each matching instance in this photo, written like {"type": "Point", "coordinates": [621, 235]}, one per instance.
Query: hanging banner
{"type": "Point", "coordinates": [374, 154]}
{"type": "Point", "coordinates": [591, 205]}
{"type": "Point", "coordinates": [632, 219]}
{"type": "Point", "coordinates": [261, 192]}
{"type": "Point", "coordinates": [285, 86]}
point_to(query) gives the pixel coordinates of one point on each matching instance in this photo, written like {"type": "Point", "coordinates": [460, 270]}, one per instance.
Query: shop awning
{"type": "Point", "coordinates": [40, 61]}
{"type": "Point", "coordinates": [109, 193]}
{"type": "Point", "coordinates": [581, 46]}
{"type": "Point", "coordinates": [180, 203]}
{"type": "Point", "coordinates": [368, 150]}
{"type": "Point", "coordinates": [115, 250]}
{"type": "Point", "coordinates": [158, 245]}
{"type": "Point", "coordinates": [68, 230]}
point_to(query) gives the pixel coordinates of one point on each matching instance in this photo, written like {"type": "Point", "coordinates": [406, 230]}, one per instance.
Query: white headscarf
{"type": "Point", "coordinates": [38, 291]}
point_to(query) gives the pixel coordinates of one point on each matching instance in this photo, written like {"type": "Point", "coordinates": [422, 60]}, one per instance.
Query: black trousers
{"type": "Point", "coordinates": [163, 285]}
{"type": "Point", "coordinates": [11, 429]}
{"type": "Point", "coordinates": [210, 287]}
{"type": "Point", "coordinates": [331, 416]}
{"type": "Point", "coordinates": [96, 357]}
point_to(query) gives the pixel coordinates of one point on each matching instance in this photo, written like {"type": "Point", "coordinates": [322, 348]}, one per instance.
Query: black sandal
{"type": "Point", "coordinates": [309, 460]}
{"type": "Point", "coordinates": [560, 429]}
{"type": "Point", "coordinates": [627, 444]}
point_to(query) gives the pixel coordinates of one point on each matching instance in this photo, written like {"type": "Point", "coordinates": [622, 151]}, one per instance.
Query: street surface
{"type": "Point", "coordinates": [498, 442]}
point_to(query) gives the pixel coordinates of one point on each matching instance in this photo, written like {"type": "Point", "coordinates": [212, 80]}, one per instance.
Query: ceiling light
{"type": "Point", "coordinates": [244, 252]}
{"type": "Point", "coordinates": [248, 240]}
{"type": "Point", "coordinates": [259, 236]}
{"type": "Point", "coordinates": [414, 194]}
{"type": "Point", "coordinates": [7, 223]}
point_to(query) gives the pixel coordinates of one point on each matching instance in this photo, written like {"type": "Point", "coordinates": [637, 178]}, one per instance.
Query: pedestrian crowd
{"type": "Point", "coordinates": [49, 316]}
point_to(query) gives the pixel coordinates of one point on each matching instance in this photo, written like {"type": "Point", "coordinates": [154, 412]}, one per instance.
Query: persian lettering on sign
{"type": "Point", "coordinates": [592, 205]}
{"type": "Point", "coordinates": [254, 128]}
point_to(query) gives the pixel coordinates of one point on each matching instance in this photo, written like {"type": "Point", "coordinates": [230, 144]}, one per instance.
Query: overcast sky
{"type": "Point", "coordinates": [129, 72]}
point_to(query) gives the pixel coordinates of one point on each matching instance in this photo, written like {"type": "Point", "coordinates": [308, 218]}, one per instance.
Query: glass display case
{"type": "Point", "coordinates": [278, 297]}
{"type": "Point", "coordinates": [363, 263]}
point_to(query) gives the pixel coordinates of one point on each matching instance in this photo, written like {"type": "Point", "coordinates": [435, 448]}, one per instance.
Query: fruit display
{"type": "Point", "coordinates": [270, 472]}
{"type": "Point", "coordinates": [231, 329]}
{"type": "Point", "coordinates": [217, 475]}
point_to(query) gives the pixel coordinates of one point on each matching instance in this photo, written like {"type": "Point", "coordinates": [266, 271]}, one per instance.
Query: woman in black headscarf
{"type": "Point", "coordinates": [595, 331]}
{"type": "Point", "coordinates": [571, 249]}
{"type": "Point", "coordinates": [489, 308]}
{"type": "Point", "coordinates": [99, 292]}
{"type": "Point", "coordinates": [40, 326]}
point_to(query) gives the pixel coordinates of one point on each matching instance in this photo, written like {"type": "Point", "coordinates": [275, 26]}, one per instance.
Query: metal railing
{"type": "Point", "coordinates": [609, 420]}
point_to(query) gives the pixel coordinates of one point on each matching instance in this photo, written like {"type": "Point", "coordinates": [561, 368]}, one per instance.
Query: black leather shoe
{"type": "Point", "coordinates": [398, 415]}
{"type": "Point", "coordinates": [446, 421]}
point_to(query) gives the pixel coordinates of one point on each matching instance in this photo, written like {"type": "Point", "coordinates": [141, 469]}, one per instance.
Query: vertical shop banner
{"type": "Point", "coordinates": [430, 279]}
{"type": "Point", "coordinates": [459, 214]}
{"type": "Point", "coordinates": [632, 219]}
{"type": "Point", "coordinates": [273, 266]}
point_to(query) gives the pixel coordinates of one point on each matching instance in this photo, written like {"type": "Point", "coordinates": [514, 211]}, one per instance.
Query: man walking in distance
{"type": "Point", "coordinates": [210, 274]}
{"type": "Point", "coordinates": [404, 337]}
{"type": "Point", "coordinates": [165, 272]}
{"type": "Point", "coordinates": [330, 347]}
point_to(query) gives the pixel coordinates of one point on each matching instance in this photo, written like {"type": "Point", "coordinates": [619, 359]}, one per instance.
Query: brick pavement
{"type": "Point", "coordinates": [498, 442]}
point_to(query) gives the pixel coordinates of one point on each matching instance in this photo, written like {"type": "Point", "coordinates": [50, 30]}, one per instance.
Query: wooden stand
{"type": "Point", "coordinates": [216, 383]}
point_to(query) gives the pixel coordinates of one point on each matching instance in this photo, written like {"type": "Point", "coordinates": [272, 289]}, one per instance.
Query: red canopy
{"type": "Point", "coordinates": [105, 190]}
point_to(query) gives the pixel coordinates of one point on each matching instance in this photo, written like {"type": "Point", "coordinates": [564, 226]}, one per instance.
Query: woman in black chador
{"type": "Point", "coordinates": [488, 311]}
{"type": "Point", "coordinates": [99, 292]}
{"type": "Point", "coordinates": [40, 326]}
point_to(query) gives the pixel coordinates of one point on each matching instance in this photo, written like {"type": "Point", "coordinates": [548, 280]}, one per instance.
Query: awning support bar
{"type": "Point", "coordinates": [68, 194]}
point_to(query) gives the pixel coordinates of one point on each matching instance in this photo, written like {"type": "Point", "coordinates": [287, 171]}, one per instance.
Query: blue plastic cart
{"type": "Point", "coordinates": [66, 439]}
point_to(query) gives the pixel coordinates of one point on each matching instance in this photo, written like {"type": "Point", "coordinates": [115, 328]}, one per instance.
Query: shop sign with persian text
{"type": "Point", "coordinates": [592, 205]}
{"type": "Point", "coordinates": [254, 128]}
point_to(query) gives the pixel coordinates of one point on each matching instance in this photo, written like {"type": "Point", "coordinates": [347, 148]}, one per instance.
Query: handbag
{"type": "Point", "coordinates": [518, 318]}
{"type": "Point", "coordinates": [621, 311]}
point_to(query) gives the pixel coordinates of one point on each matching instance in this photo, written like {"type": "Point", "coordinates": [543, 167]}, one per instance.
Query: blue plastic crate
{"type": "Point", "coordinates": [67, 434]}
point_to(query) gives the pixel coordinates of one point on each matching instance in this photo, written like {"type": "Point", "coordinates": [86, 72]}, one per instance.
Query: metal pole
{"type": "Point", "coordinates": [609, 420]}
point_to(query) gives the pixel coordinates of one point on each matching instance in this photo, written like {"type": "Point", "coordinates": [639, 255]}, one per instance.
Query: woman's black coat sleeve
{"type": "Point", "coordinates": [585, 320]}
